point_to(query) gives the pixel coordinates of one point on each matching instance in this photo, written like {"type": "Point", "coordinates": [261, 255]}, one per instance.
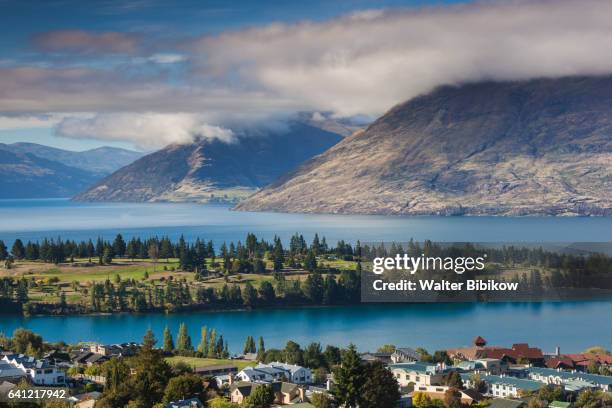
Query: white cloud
{"type": "Point", "coordinates": [166, 58]}
{"type": "Point", "coordinates": [361, 64]}
{"type": "Point", "coordinates": [367, 62]}
{"type": "Point", "coordinates": [145, 130]}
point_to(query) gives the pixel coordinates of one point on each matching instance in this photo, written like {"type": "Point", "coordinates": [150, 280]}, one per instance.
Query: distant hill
{"type": "Point", "coordinates": [212, 170]}
{"type": "Point", "coordinates": [103, 160]}
{"type": "Point", "coordinates": [29, 170]}
{"type": "Point", "coordinates": [538, 147]}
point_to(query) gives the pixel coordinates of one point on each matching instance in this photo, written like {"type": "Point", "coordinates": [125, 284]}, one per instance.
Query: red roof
{"type": "Point", "coordinates": [479, 341]}
{"type": "Point", "coordinates": [584, 359]}
{"type": "Point", "coordinates": [560, 362]}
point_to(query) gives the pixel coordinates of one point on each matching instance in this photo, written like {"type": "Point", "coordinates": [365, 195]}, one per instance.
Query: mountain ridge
{"type": "Point", "coordinates": [537, 147]}
{"type": "Point", "coordinates": [213, 170]}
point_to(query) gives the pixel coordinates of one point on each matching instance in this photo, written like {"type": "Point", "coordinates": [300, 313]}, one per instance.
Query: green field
{"type": "Point", "coordinates": [197, 362]}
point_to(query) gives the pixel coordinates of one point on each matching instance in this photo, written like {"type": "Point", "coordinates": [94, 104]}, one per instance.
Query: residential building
{"type": "Point", "coordinates": [405, 355]}
{"type": "Point", "coordinates": [417, 373]}
{"type": "Point", "coordinates": [188, 403]}
{"type": "Point", "coordinates": [384, 358]}
{"type": "Point", "coordinates": [215, 370]}
{"type": "Point", "coordinates": [284, 392]}
{"type": "Point", "coordinates": [40, 372]}
{"type": "Point", "coordinates": [468, 397]}
{"type": "Point", "coordinates": [504, 386]}
{"type": "Point", "coordinates": [560, 377]}
{"type": "Point", "coordinates": [10, 373]}
{"type": "Point", "coordinates": [517, 353]}
{"type": "Point", "coordinates": [275, 372]}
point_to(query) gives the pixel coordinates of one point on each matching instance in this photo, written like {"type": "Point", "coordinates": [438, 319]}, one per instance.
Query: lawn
{"type": "Point", "coordinates": [198, 362]}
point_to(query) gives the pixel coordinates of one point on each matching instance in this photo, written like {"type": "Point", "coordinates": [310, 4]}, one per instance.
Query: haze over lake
{"type": "Point", "coordinates": [36, 219]}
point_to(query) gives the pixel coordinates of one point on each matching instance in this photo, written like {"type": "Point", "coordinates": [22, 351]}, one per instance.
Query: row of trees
{"type": "Point", "coordinates": [211, 344]}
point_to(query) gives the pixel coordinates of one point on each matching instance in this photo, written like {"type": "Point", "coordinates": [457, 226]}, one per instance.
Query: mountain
{"type": "Point", "coordinates": [103, 160]}
{"type": "Point", "coordinates": [537, 147]}
{"type": "Point", "coordinates": [213, 170]}
{"type": "Point", "coordinates": [30, 170]}
{"type": "Point", "coordinates": [24, 175]}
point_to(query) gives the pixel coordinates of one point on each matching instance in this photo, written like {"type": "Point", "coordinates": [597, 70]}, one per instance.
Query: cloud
{"type": "Point", "coordinates": [146, 130]}
{"type": "Point", "coordinates": [84, 42]}
{"type": "Point", "coordinates": [166, 58]}
{"type": "Point", "coordinates": [367, 62]}
{"type": "Point", "coordinates": [358, 65]}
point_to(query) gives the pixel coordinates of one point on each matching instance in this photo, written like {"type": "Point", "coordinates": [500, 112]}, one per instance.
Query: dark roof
{"type": "Point", "coordinates": [505, 403]}
{"type": "Point", "coordinates": [473, 394]}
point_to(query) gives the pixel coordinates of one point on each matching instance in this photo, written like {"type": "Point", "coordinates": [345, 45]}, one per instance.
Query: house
{"type": "Point", "coordinates": [215, 370]}
{"type": "Point", "coordinates": [119, 350]}
{"type": "Point", "coordinates": [10, 373]}
{"type": "Point", "coordinates": [489, 365]}
{"type": "Point", "coordinates": [405, 355]}
{"type": "Point", "coordinates": [417, 373]}
{"type": "Point", "coordinates": [40, 372]}
{"type": "Point", "coordinates": [87, 400]}
{"type": "Point", "coordinates": [518, 352]}
{"type": "Point", "coordinates": [88, 358]}
{"type": "Point", "coordinates": [284, 392]}
{"type": "Point", "coordinates": [222, 380]}
{"type": "Point", "coordinates": [468, 397]}
{"type": "Point", "coordinates": [560, 377]}
{"type": "Point", "coordinates": [384, 358]}
{"type": "Point", "coordinates": [188, 403]}
{"type": "Point", "coordinates": [581, 361]}
{"type": "Point", "coordinates": [504, 386]}
{"type": "Point", "coordinates": [275, 372]}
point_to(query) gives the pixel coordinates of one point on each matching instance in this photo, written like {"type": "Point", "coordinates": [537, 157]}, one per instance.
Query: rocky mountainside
{"type": "Point", "coordinates": [496, 148]}
{"type": "Point", "coordinates": [212, 170]}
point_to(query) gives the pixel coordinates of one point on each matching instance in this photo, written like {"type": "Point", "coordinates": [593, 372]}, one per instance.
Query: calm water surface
{"type": "Point", "coordinates": [573, 325]}
{"type": "Point", "coordinates": [35, 219]}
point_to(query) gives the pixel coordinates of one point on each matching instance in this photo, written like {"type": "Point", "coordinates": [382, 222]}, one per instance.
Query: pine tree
{"type": "Point", "coordinates": [349, 379]}
{"type": "Point", "coordinates": [168, 342]}
{"type": "Point", "coordinates": [18, 250]}
{"type": "Point", "coordinates": [3, 251]}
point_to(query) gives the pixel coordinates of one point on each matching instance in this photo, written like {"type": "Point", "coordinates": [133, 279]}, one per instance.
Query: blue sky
{"type": "Point", "coordinates": [23, 20]}
{"type": "Point", "coordinates": [146, 73]}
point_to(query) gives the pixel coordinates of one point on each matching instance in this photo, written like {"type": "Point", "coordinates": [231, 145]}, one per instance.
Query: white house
{"type": "Point", "coordinates": [41, 372]}
{"type": "Point", "coordinates": [417, 373]}
{"type": "Point", "coordinates": [502, 386]}
{"type": "Point", "coordinates": [405, 355]}
{"type": "Point", "coordinates": [276, 372]}
{"type": "Point", "coordinates": [565, 378]}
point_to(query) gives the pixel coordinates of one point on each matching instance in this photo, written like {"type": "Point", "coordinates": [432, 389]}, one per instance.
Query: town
{"type": "Point", "coordinates": [177, 374]}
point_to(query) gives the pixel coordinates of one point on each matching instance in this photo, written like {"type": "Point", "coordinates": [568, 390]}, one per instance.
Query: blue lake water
{"type": "Point", "coordinates": [572, 325]}
{"type": "Point", "coordinates": [35, 219]}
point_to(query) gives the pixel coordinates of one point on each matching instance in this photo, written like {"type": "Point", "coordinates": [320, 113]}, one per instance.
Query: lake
{"type": "Point", "coordinates": [36, 219]}
{"type": "Point", "coordinates": [572, 325]}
